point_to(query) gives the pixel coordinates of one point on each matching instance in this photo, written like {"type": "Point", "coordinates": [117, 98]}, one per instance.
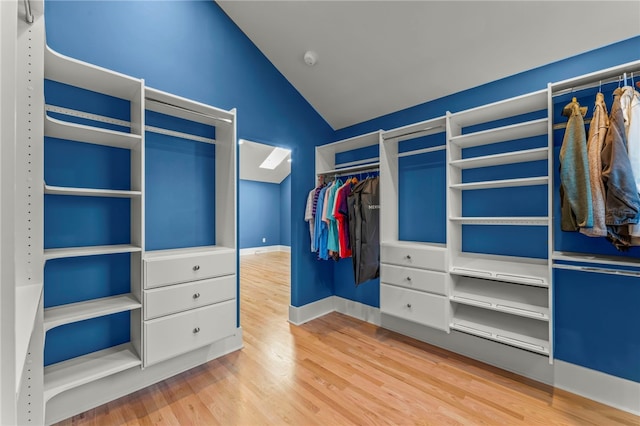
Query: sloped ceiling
{"type": "Point", "coordinates": [377, 57]}
{"type": "Point", "coordinates": [252, 154]}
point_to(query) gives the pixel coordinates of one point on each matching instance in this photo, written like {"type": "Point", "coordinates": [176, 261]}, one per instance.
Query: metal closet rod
{"type": "Point", "coordinates": [225, 120]}
{"type": "Point", "coordinates": [413, 132]}
{"type": "Point", "coordinates": [598, 83]}
{"type": "Point", "coordinates": [29, 14]}
{"type": "Point", "coordinates": [597, 270]}
{"type": "Point", "coordinates": [352, 172]}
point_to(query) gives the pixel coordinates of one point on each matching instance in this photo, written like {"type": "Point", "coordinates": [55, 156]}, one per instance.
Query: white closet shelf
{"type": "Point", "coordinates": [58, 253]}
{"type": "Point", "coordinates": [177, 106]}
{"type": "Point", "coordinates": [28, 299]}
{"type": "Point", "coordinates": [90, 192]}
{"type": "Point", "coordinates": [527, 221]}
{"type": "Point", "coordinates": [598, 259]}
{"type": "Point", "coordinates": [71, 71]}
{"type": "Point", "coordinates": [505, 183]}
{"type": "Point", "coordinates": [498, 334]}
{"type": "Point", "coordinates": [530, 102]}
{"type": "Point", "coordinates": [186, 252]}
{"type": "Point", "coordinates": [351, 168]}
{"type": "Point", "coordinates": [521, 300]}
{"type": "Point", "coordinates": [502, 134]}
{"type": "Point", "coordinates": [74, 312]}
{"type": "Point", "coordinates": [78, 371]}
{"type": "Point", "coordinates": [517, 270]}
{"type": "Point", "coordinates": [55, 128]}
{"type": "Point", "coordinates": [416, 130]}
{"type": "Point", "coordinates": [514, 157]}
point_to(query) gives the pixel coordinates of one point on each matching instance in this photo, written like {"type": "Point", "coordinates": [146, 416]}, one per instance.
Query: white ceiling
{"type": "Point", "coordinates": [378, 57]}
{"type": "Point", "coordinates": [252, 154]}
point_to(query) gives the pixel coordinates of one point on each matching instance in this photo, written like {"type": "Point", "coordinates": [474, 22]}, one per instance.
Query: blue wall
{"type": "Point", "coordinates": [260, 213]}
{"type": "Point", "coordinates": [204, 56]}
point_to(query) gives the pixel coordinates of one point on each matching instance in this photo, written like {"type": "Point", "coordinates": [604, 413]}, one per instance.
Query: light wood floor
{"type": "Point", "coordinates": [339, 371]}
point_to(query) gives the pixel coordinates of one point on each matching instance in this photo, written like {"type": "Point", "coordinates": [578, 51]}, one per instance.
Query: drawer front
{"type": "Point", "coordinates": [416, 257]}
{"type": "Point", "coordinates": [417, 279]}
{"type": "Point", "coordinates": [176, 334]}
{"type": "Point", "coordinates": [423, 308]}
{"type": "Point", "coordinates": [181, 297]}
{"type": "Point", "coordinates": [179, 269]}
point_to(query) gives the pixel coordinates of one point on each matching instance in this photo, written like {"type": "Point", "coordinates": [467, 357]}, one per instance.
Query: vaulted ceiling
{"type": "Point", "coordinates": [378, 57]}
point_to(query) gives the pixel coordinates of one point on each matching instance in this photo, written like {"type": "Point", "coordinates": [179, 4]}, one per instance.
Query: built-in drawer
{"type": "Point", "coordinates": [176, 334]}
{"type": "Point", "coordinates": [415, 256]}
{"type": "Point", "coordinates": [416, 279]}
{"type": "Point", "coordinates": [179, 268]}
{"type": "Point", "coordinates": [424, 308]}
{"type": "Point", "coordinates": [181, 297]}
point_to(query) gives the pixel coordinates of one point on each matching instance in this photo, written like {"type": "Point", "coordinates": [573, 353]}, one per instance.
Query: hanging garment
{"type": "Point", "coordinates": [366, 244]}
{"type": "Point", "coordinates": [341, 213]}
{"type": "Point", "coordinates": [622, 202]}
{"type": "Point", "coordinates": [575, 187]}
{"type": "Point", "coordinates": [320, 230]}
{"type": "Point", "coordinates": [308, 215]}
{"type": "Point", "coordinates": [332, 238]}
{"type": "Point", "coordinates": [597, 133]}
{"type": "Point", "coordinates": [630, 106]}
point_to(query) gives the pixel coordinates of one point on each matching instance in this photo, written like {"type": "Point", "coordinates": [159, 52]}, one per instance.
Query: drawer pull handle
{"type": "Point", "coordinates": [408, 257]}
{"type": "Point", "coordinates": [196, 295]}
{"type": "Point", "coordinates": [196, 330]}
{"type": "Point", "coordinates": [408, 305]}
{"type": "Point", "coordinates": [196, 268]}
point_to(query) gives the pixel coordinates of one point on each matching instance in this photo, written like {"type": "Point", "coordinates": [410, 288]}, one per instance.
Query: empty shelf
{"type": "Point", "coordinates": [530, 102]}
{"type": "Point", "coordinates": [514, 157]}
{"type": "Point", "coordinates": [524, 221]}
{"type": "Point", "coordinates": [492, 184]}
{"type": "Point", "coordinates": [517, 270]}
{"type": "Point", "coordinates": [90, 192]}
{"type": "Point", "coordinates": [502, 134]}
{"type": "Point", "coordinates": [516, 299]}
{"type": "Point", "coordinates": [55, 128]}
{"type": "Point", "coordinates": [515, 331]}
{"type": "Point", "coordinates": [598, 259]}
{"type": "Point", "coordinates": [352, 169]}
{"type": "Point", "coordinates": [78, 371]}
{"type": "Point", "coordinates": [71, 71]}
{"type": "Point", "coordinates": [74, 312]}
{"type": "Point", "coordinates": [58, 253]}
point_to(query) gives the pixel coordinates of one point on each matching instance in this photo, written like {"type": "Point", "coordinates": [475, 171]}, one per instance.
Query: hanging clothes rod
{"type": "Point", "coordinates": [372, 167]}
{"type": "Point", "coordinates": [29, 15]}
{"type": "Point", "coordinates": [426, 129]}
{"type": "Point", "coordinates": [190, 111]}
{"type": "Point", "coordinates": [598, 270]}
{"type": "Point", "coordinates": [619, 78]}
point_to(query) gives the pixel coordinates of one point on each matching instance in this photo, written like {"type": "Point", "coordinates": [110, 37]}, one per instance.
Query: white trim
{"type": "Point", "coordinates": [100, 392]}
{"type": "Point", "coordinates": [610, 390]}
{"type": "Point", "coordinates": [298, 315]}
{"type": "Point", "coordinates": [357, 310]}
{"type": "Point", "coordinates": [264, 249]}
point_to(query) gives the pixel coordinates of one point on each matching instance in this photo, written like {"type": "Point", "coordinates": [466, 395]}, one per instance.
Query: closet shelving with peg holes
{"type": "Point", "coordinates": [91, 113]}
{"type": "Point", "coordinates": [413, 279]}
{"type": "Point", "coordinates": [498, 240]}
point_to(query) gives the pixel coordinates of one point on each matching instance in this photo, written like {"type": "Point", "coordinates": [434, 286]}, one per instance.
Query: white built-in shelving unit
{"type": "Point", "coordinates": [77, 371]}
{"type": "Point", "coordinates": [328, 167]}
{"type": "Point", "coordinates": [498, 297]}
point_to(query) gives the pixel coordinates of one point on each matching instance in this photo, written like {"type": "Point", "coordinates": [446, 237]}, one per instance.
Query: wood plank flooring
{"type": "Point", "coordinates": [337, 370]}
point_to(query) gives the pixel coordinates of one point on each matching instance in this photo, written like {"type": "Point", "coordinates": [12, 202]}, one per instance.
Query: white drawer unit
{"type": "Point", "coordinates": [173, 266]}
{"type": "Point", "coordinates": [424, 308]}
{"type": "Point", "coordinates": [414, 255]}
{"type": "Point", "coordinates": [176, 334]}
{"type": "Point", "coordinates": [416, 279]}
{"type": "Point", "coordinates": [181, 297]}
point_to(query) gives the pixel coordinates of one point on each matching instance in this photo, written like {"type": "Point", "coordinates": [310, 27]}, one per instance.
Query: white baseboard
{"type": "Point", "coordinates": [93, 394]}
{"type": "Point", "coordinates": [311, 311]}
{"type": "Point", "coordinates": [264, 249]}
{"type": "Point", "coordinates": [610, 390]}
